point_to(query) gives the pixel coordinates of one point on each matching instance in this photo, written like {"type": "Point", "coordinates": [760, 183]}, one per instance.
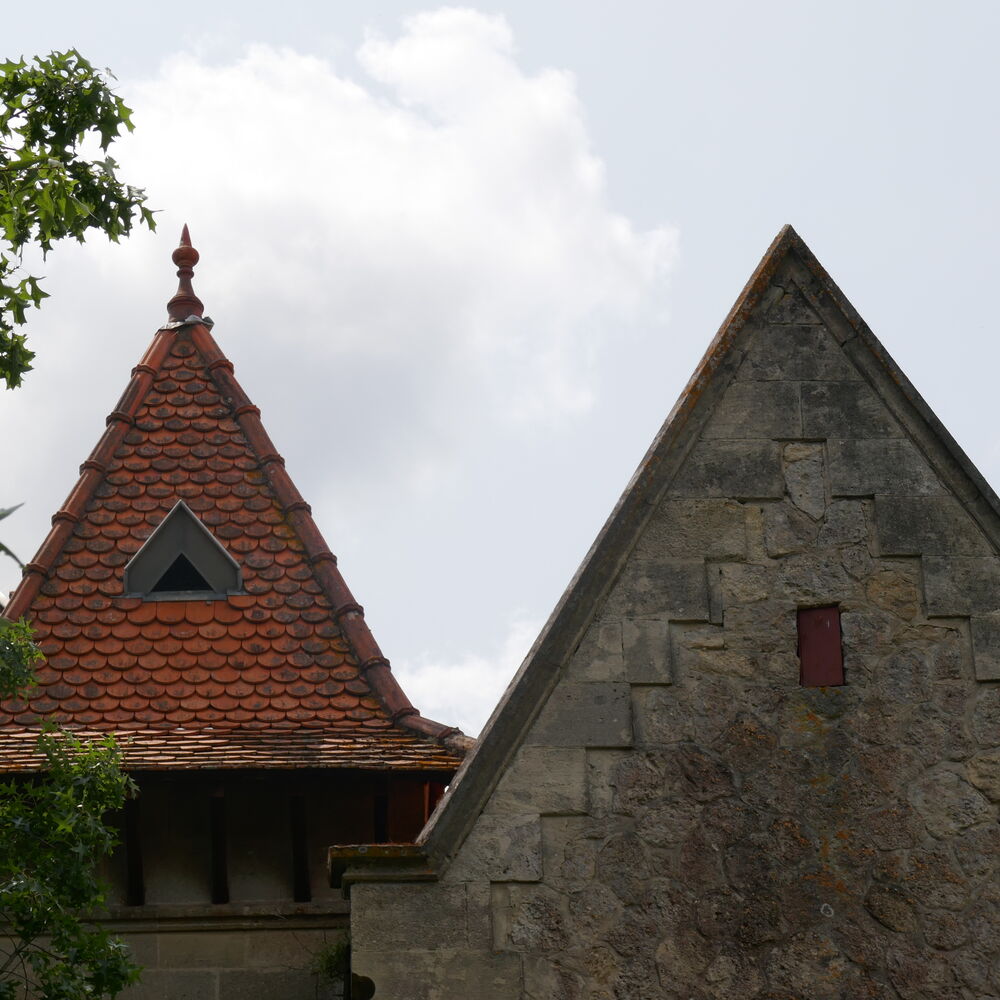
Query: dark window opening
{"type": "Point", "coordinates": [181, 575]}
{"type": "Point", "coordinates": [182, 557]}
{"type": "Point", "coordinates": [821, 655]}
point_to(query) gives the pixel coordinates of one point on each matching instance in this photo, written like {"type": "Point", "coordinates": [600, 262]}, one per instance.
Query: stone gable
{"type": "Point", "coordinates": [676, 816]}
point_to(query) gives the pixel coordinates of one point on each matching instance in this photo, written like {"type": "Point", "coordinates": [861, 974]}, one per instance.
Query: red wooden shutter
{"type": "Point", "coordinates": [821, 658]}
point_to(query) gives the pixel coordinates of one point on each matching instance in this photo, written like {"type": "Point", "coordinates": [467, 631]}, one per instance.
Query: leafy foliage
{"type": "Point", "coordinates": [50, 108]}
{"type": "Point", "coordinates": [332, 960]}
{"type": "Point", "coordinates": [18, 654]}
{"type": "Point", "coordinates": [52, 830]}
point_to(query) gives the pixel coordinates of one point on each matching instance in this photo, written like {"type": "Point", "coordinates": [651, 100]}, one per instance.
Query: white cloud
{"type": "Point", "coordinates": [413, 267]}
{"type": "Point", "coordinates": [465, 690]}
{"type": "Point", "coordinates": [451, 219]}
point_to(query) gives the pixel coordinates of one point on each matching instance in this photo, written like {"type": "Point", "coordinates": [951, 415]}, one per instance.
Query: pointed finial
{"type": "Point", "coordinates": [185, 303]}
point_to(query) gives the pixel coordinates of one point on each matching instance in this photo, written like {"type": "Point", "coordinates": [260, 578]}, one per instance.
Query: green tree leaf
{"type": "Point", "coordinates": [49, 190]}
{"type": "Point", "coordinates": [52, 832]}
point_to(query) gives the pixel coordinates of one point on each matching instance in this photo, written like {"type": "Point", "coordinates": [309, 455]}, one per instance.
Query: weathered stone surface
{"type": "Point", "coordinates": [441, 974]}
{"type": "Point", "coordinates": [660, 717]}
{"type": "Point", "coordinates": [668, 823]}
{"type": "Point", "coordinates": [805, 477]}
{"type": "Point", "coordinates": [673, 590]}
{"type": "Point", "coordinates": [552, 979]}
{"type": "Point", "coordinates": [915, 975]}
{"type": "Point", "coordinates": [623, 866]}
{"type": "Point", "coordinates": [787, 529]}
{"type": "Point", "coordinates": [534, 919]}
{"type": "Point", "coordinates": [796, 353]}
{"type": "Point", "coordinates": [182, 985]}
{"type": "Point", "coordinates": [637, 781]}
{"type": "Point", "coordinates": [808, 965]}
{"type": "Point", "coordinates": [903, 677]}
{"type": "Point", "coordinates": [195, 949]}
{"type": "Point", "coordinates": [646, 644]}
{"type": "Point", "coordinates": [745, 583]}
{"type": "Point", "coordinates": [543, 780]}
{"type": "Point", "coordinates": [845, 410]}
{"type": "Point", "coordinates": [740, 470]}
{"type": "Point", "coordinates": [893, 828]}
{"type": "Point", "coordinates": [695, 529]}
{"type": "Point", "coordinates": [725, 662]}
{"type": "Point", "coordinates": [949, 804]}
{"type": "Point", "coordinates": [977, 851]}
{"type": "Point", "coordinates": [585, 715]}
{"type": "Point", "coordinates": [961, 585]}
{"type": "Point", "coordinates": [845, 523]}
{"type": "Point", "coordinates": [601, 765]}
{"type": "Point", "coordinates": [790, 306]}
{"type": "Point", "coordinates": [815, 578]}
{"type": "Point", "coordinates": [983, 771]}
{"type": "Point", "coordinates": [399, 917]}
{"type": "Point", "coordinates": [756, 410]}
{"type": "Point", "coordinates": [479, 915]}
{"type": "Point", "coordinates": [568, 851]}
{"type": "Point", "coordinates": [857, 562]}
{"type": "Point", "coordinates": [895, 587]}
{"type": "Point", "coordinates": [266, 984]}
{"type": "Point", "coordinates": [501, 848]}
{"type": "Point", "coordinates": [594, 911]}
{"type": "Point", "coordinates": [286, 949]}
{"type": "Point", "coordinates": [986, 716]}
{"type": "Point", "coordinates": [986, 647]}
{"type": "Point", "coordinates": [890, 907]}
{"type": "Point", "coordinates": [862, 468]}
{"type": "Point", "coordinates": [599, 656]}
{"type": "Point", "coordinates": [927, 526]}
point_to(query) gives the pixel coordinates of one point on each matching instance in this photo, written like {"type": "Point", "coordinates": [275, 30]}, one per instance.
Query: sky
{"type": "Point", "coordinates": [465, 258]}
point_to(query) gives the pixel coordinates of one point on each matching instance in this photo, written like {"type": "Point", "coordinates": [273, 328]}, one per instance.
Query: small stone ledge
{"type": "Point", "coordinates": [348, 864]}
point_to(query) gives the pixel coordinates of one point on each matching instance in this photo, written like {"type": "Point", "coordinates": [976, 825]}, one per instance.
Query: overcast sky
{"type": "Point", "coordinates": [465, 258]}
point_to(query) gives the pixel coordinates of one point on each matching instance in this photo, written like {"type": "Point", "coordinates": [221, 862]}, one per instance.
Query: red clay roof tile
{"type": "Point", "coordinates": [277, 657]}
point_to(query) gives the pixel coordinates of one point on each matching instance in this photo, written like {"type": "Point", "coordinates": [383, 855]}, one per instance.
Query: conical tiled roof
{"type": "Point", "coordinates": [283, 673]}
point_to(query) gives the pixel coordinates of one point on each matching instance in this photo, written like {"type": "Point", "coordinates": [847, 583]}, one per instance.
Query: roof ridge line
{"type": "Point", "coordinates": [373, 665]}
{"type": "Point", "coordinates": [92, 472]}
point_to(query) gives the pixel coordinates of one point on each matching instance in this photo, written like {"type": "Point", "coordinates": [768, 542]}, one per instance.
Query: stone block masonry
{"type": "Point", "coordinates": [226, 953]}
{"type": "Point", "coordinates": [678, 818]}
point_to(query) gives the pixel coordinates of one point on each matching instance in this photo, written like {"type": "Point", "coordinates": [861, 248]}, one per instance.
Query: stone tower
{"type": "Point", "coordinates": [187, 603]}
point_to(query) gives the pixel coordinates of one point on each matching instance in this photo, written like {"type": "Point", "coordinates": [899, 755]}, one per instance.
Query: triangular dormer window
{"type": "Point", "coordinates": [182, 559]}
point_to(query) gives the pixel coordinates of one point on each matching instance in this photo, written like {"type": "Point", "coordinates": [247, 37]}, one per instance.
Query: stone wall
{"type": "Point", "coordinates": [235, 955]}
{"type": "Point", "coordinates": [682, 819]}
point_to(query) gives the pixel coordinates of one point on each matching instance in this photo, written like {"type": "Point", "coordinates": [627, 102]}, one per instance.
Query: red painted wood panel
{"type": "Point", "coordinates": [821, 656]}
